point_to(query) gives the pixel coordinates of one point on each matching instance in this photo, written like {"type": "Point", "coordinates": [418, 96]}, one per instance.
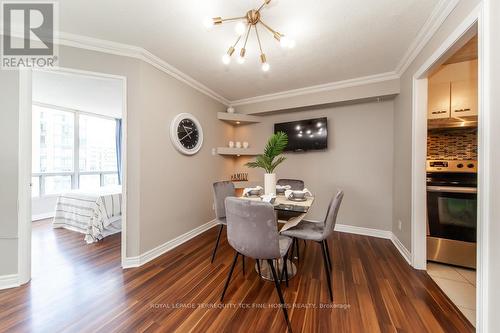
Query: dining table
{"type": "Point", "coordinates": [298, 209]}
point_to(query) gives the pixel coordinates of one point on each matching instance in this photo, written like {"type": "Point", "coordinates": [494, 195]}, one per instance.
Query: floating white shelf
{"type": "Point", "coordinates": [243, 184]}
{"type": "Point", "coordinates": [238, 151]}
{"type": "Point", "coordinates": [237, 118]}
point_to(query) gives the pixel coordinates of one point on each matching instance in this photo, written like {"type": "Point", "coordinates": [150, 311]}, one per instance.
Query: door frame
{"type": "Point", "coordinates": [25, 169]}
{"type": "Point", "coordinates": [419, 156]}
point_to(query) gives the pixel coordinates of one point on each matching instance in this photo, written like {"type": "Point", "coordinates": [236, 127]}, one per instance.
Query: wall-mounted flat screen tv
{"type": "Point", "coordinates": [310, 134]}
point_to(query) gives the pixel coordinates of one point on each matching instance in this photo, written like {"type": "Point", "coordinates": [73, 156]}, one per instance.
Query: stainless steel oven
{"type": "Point", "coordinates": [452, 212]}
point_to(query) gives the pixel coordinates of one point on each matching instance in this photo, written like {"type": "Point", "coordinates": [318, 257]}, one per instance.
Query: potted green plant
{"type": "Point", "coordinates": [270, 160]}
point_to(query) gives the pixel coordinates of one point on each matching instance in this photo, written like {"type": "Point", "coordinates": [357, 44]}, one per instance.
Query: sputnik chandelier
{"type": "Point", "coordinates": [242, 28]}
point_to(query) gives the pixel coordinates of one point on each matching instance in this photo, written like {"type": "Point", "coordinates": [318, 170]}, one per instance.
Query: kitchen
{"type": "Point", "coordinates": [452, 154]}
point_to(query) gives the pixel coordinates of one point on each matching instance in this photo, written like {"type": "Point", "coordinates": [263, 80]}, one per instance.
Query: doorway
{"type": "Point", "coordinates": [72, 160]}
{"type": "Point", "coordinates": [425, 212]}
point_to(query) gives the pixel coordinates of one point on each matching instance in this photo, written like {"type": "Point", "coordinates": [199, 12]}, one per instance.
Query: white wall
{"type": "Point", "coordinates": [358, 160]}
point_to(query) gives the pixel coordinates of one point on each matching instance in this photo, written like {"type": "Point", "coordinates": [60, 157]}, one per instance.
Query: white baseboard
{"type": "Point", "coordinates": [39, 217]}
{"type": "Point", "coordinates": [386, 234]}
{"type": "Point", "coordinates": [9, 281]}
{"type": "Point", "coordinates": [165, 247]}
{"type": "Point", "coordinates": [405, 253]}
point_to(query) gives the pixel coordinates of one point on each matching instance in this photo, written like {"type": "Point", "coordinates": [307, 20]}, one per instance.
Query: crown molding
{"type": "Point", "coordinates": [388, 76]}
{"type": "Point", "coordinates": [440, 12]}
{"type": "Point", "coordinates": [105, 46]}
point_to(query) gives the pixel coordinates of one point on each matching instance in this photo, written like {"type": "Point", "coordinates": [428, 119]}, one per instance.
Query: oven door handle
{"type": "Point", "coordinates": [451, 189]}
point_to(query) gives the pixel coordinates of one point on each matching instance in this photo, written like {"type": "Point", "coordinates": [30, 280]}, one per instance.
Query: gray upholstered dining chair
{"type": "Point", "coordinates": [252, 230]}
{"type": "Point", "coordinates": [319, 232]}
{"type": "Point", "coordinates": [222, 190]}
{"type": "Point", "coordinates": [295, 184]}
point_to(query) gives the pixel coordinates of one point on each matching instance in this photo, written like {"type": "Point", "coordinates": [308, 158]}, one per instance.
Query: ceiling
{"type": "Point", "coordinates": [79, 92]}
{"type": "Point", "coordinates": [336, 39]}
{"type": "Point", "coordinates": [467, 52]}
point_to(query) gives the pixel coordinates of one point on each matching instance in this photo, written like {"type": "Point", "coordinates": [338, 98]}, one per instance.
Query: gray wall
{"type": "Point", "coordinates": [9, 138]}
{"type": "Point", "coordinates": [176, 190]}
{"type": "Point", "coordinates": [403, 125]}
{"type": "Point", "coordinates": [358, 160]}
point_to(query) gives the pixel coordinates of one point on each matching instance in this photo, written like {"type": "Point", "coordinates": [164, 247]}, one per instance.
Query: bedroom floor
{"type": "Point", "coordinates": [81, 288]}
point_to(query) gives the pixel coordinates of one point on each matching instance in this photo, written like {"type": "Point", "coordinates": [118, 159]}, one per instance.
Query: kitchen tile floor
{"type": "Point", "coordinates": [459, 284]}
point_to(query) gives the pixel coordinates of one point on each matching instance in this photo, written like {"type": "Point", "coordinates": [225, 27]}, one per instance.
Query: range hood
{"type": "Point", "coordinates": [463, 122]}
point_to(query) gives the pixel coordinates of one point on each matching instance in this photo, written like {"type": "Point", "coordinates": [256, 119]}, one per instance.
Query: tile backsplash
{"type": "Point", "coordinates": [452, 144]}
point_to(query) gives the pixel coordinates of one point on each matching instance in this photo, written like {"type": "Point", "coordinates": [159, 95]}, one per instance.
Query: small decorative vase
{"type": "Point", "coordinates": [245, 144]}
{"type": "Point", "coordinates": [238, 144]}
{"type": "Point", "coordinates": [230, 109]}
{"type": "Point", "coordinates": [231, 144]}
{"type": "Point", "coordinates": [270, 183]}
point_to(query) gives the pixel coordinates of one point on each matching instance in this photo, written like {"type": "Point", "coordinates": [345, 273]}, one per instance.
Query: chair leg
{"type": "Point", "coordinates": [217, 242]}
{"type": "Point", "coordinates": [280, 294]}
{"type": "Point", "coordinates": [258, 266]}
{"type": "Point", "coordinates": [243, 263]}
{"type": "Point", "coordinates": [229, 276]}
{"type": "Point", "coordinates": [327, 271]}
{"type": "Point", "coordinates": [328, 254]}
{"type": "Point", "coordinates": [284, 270]}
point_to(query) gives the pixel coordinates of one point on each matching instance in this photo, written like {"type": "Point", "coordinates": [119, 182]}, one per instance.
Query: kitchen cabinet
{"type": "Point", "coordinates": [463, 98]}
{"type": "Point", "coordinates": [438, 106]}
{"type": "Point", "coordinates": [452, 99]}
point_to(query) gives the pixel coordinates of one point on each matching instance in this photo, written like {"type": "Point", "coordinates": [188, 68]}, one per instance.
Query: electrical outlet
{"type": "Point", "coordinates": [214, 152]}
{"type": "Point", "coordinates": [400, 224]}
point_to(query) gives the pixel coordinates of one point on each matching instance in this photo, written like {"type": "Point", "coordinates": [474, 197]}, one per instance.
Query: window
{"type": "Point", "coordinates": [57, 184]}
{"type": "Point", "coordinates": [72, 150]}
{"type": "Point", "coordinates": [97, 144]}
{"type": "Point", "coordinates": [53, 140]}
{"type": "Point", "coordinates": [88, 182]}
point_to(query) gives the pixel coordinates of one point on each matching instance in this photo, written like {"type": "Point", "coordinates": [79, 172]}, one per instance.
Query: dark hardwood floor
{"type": "Point", "coordinates": [81, 288]}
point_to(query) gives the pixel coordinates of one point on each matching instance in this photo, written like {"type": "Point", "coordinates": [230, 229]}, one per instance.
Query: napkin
{"type": "Point", "coordinates": [283, 187]}
{"type": "Point", "coordinates": [288, 193]}
{"type": "Point", "coordinates": [247, 190]}
{"type": "Point", "coordinates": [268, 198]}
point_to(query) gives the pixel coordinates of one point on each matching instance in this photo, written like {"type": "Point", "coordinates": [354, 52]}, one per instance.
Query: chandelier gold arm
{"type": "Point", "coordinates": [258, 39]}
{"type": "Point", "coordinates": [220, 20]}
{"type": "Point", "coordinates": [248, 34]}
{"type": "Point", "coordinates": [266, 2]}
{"type": "Point", "coordinates": [275, 33]}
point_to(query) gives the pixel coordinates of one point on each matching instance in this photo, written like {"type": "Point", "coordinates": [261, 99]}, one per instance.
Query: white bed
{"type": "Point", "coordinates": [96, 214]}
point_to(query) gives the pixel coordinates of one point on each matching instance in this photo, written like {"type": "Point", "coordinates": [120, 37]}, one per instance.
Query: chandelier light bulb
{"type": "Point", "coordinates": [291, 44]}
{"type": "Point", "coordinates": [240, 28]}
{"type": "Point", "coordinates": [226, 59]}
{"type": "Point", "coordinates": [284, 41]}
{"type": "Point", "coordinates": [240, 60]}
{"type": "Point", "coordinates": [265, 67]}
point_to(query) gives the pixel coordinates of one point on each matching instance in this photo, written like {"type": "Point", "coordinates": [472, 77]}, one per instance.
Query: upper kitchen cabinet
{"type": "Point", "coordinates": [453, 91]}
{"type": "Point", "coordinates": [439, 101]}
{"type": "Point", "coordinates": [464, 98]}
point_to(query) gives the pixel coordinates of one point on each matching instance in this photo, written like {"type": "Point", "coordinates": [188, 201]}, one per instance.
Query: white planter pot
{"type": "Point", "coordinates": [270, 183]}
